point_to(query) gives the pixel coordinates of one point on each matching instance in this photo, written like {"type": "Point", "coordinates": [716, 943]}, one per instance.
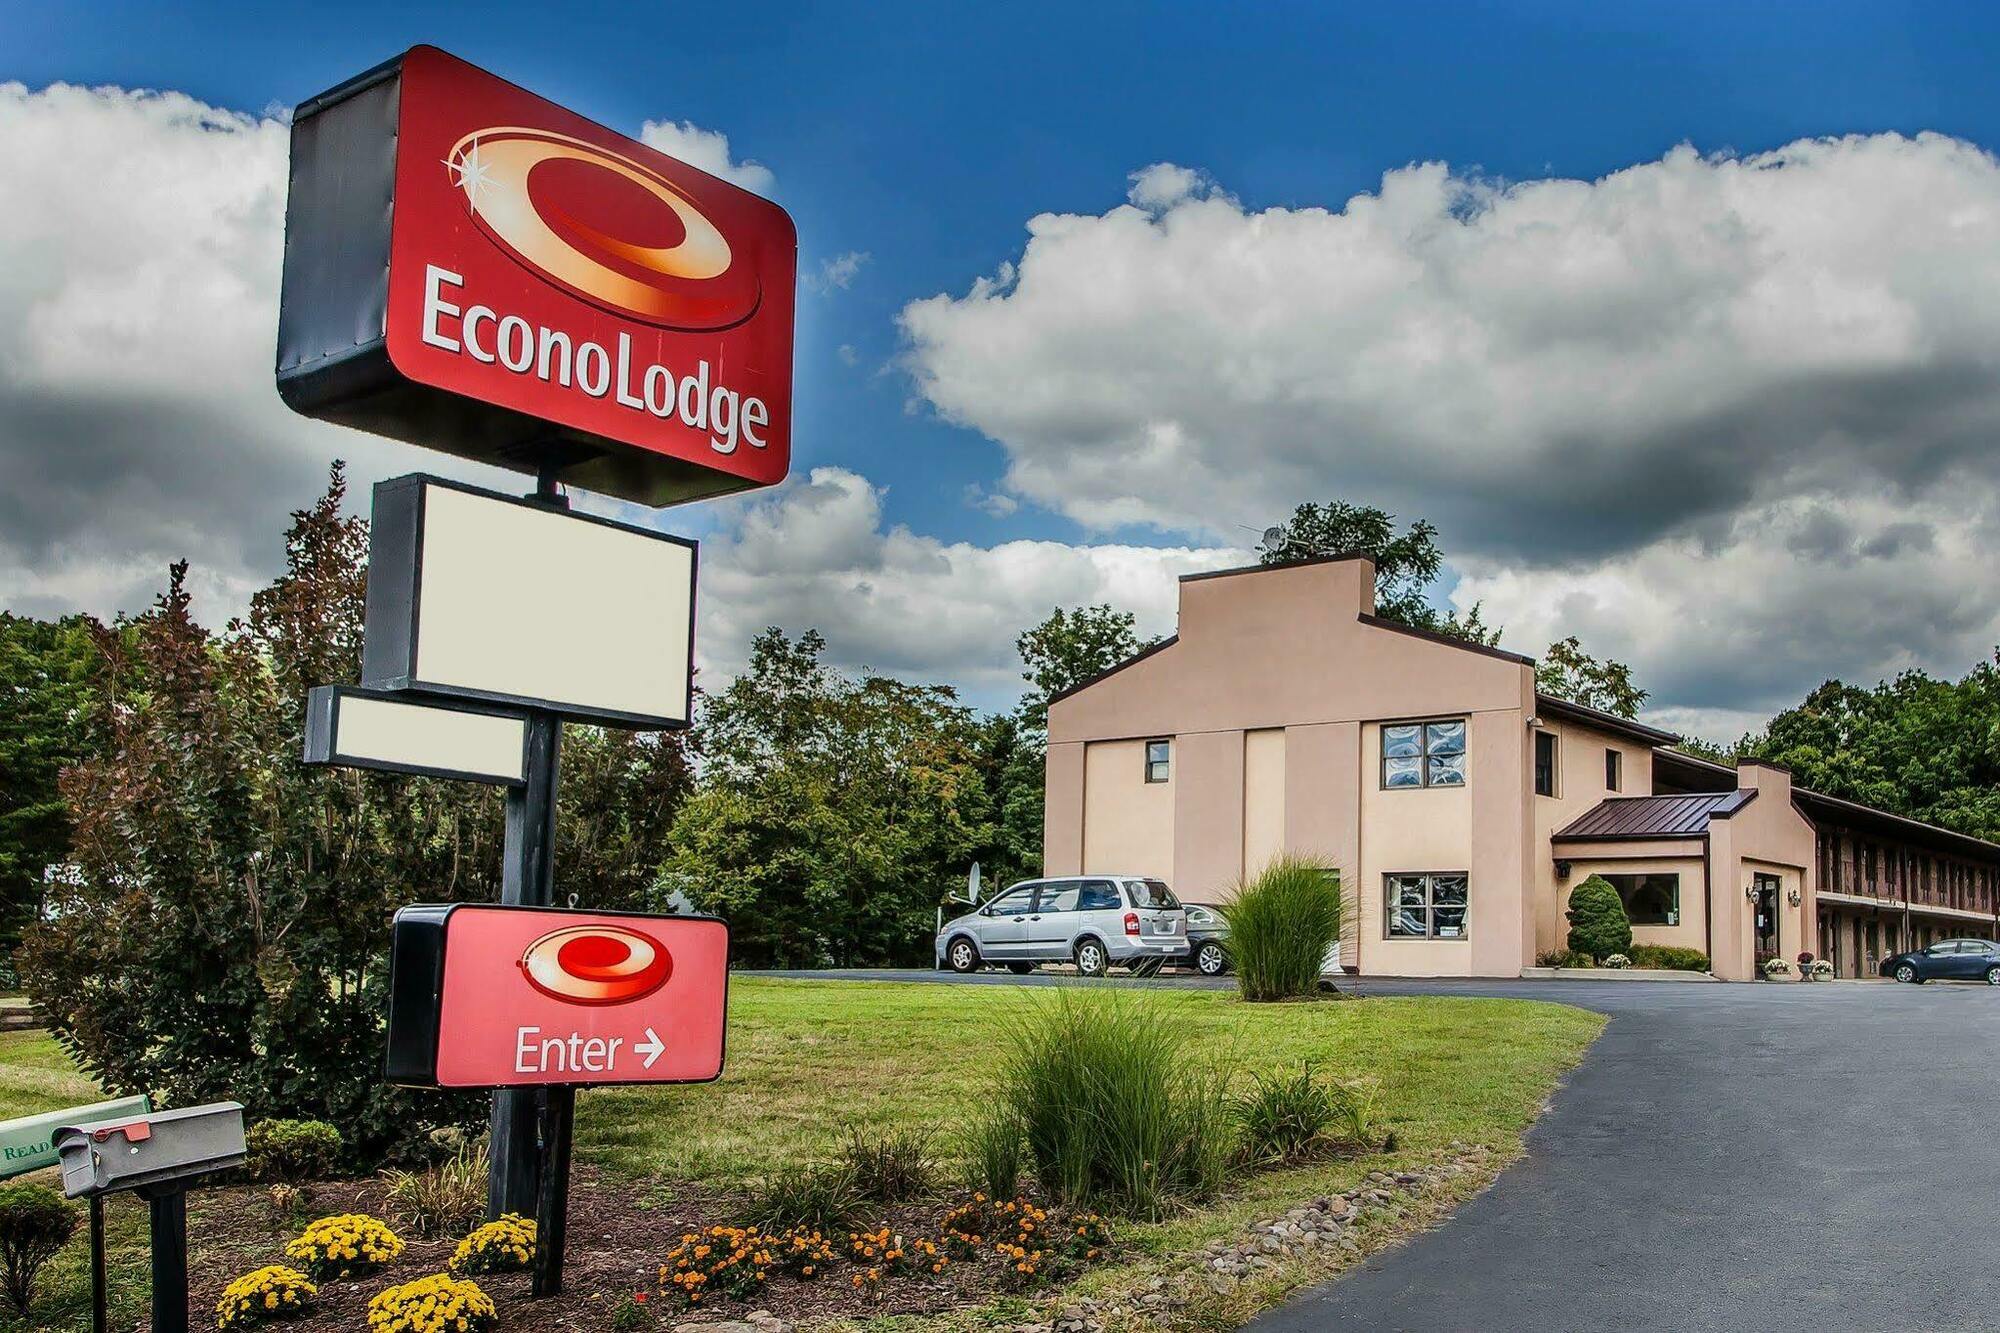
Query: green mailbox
{"type": "Point", "coordinates": [24, 1143]}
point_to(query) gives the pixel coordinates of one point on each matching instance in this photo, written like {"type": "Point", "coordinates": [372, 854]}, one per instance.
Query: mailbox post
{"type": "Point", "coordinates": [157, 1157]}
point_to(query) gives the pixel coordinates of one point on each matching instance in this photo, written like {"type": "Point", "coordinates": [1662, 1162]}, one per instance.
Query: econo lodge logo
{"type": "Point", "coordinates": [596, 964]}
{"type": "Point", "coordinates": [603, 226]}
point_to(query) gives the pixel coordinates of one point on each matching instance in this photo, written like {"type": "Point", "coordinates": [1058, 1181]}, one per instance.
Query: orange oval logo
{"type": "Point", "coordinates": [596, 964]}
{"type": "Point", "coordinates": [602, 226]}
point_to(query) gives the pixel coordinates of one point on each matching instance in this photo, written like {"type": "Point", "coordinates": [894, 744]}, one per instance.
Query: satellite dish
{"type": "Point", "coordinates": [972, 884]}
{"type": "Point", "coordinates": [1274, 541]}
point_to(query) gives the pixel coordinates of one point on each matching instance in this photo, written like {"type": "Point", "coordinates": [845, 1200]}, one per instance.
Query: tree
{"type": "Point", "coordinates": [1407, 564]}
{"type": "Point", "coordinates": [1067, 649]}
{"type": "Point", "coordinates": [52, 713]}
{"type": "Point", "coordinates": [832, 814]}
{"type": "Point", "coordinates": [224, 931]}
{"type": "Point", "coordinates": [1567, 672]}
{"type": "Point", "coordinates": [1598, 925]}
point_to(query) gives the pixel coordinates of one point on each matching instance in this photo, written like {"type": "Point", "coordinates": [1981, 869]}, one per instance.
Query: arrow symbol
{"type": "Point", "coordinates": [650, 1047]}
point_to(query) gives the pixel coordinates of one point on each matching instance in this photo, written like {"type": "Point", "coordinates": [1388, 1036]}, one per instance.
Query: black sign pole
{"type": "Point", "coordinates": [100, 1321]}
{"type": "Point", "coordinates": [527, 878]}
{"type": "Point", "coordinates": [552, 1207]}
{"type": "Point", "coordinates": [170, 1269]}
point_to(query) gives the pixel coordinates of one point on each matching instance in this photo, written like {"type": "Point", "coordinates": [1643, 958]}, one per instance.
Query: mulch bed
{"type": "Point", "coordinates": [617, 1239]}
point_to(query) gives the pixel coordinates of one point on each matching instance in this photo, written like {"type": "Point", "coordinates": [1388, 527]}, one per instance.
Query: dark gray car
{"type": "Point", "coordinates": [1094, 921]}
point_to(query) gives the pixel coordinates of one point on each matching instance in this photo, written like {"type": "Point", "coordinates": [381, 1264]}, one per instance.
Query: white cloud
{"type": "Point", "coordinates": [837, 273]}
{"type": "Point", "coordinates": [815, 554]}
{"type": "Point", "coordinates": [708, 150]}
{"type": "Point", "coordinates": [1574, 377]}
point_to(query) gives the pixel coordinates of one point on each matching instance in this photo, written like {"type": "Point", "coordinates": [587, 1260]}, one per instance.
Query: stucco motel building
{"type": "Point", "coordinates": [1459, 805]}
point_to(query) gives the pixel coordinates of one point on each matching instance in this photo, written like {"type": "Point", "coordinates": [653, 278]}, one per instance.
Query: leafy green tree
{"type": "Point", "coordinates": [832, 814]}
{"type": "Point", "coordinates": [1067, 649]}
{"type": "Point", "coordinates": [52, 713]}
{"type": "Point", "coordinates": [1568, 672]}
{"type": "Point", "coordinates": [1407, 563]}
{"type": "Point", "coordinates": [1915, 745]}
{"type": "Point", "coordinates": [1598, 925]}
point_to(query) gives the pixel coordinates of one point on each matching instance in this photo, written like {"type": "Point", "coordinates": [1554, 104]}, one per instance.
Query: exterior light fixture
{"type": "Point", "coordinates": [1562, 870]}
{"type": "Point", "coordinates": [1750, 891]}
{"type": "Point", "coordinates": [1794, 898]}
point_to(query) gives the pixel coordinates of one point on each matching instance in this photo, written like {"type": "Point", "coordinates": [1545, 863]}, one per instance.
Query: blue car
{"type": "Point", "coordinates": [1947, 960]}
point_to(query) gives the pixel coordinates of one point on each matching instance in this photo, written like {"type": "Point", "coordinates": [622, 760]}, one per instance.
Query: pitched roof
{"type": "Point", "coordinates": [1655, 816]}
{"type": "Point", "coordinates": [1603, 721]}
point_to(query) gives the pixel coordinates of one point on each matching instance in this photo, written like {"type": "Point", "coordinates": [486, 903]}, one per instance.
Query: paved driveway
{"type": "Point", "coordinates": [1726, 1158]}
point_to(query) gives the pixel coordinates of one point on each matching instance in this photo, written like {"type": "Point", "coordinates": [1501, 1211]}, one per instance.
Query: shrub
{"type": "Point", "coordinates": [1281, 926]}
{"type": "Point", "coordinates": [272, 1292]}
{"type": "Point", "coordinates": [441, 1200]}
{"type": "Point", "coordinates": [812, 1196]}
{"type": "Point", "coordinates": [35, 1223]}
{"type": "Point", "coordinates": [1597, 922]}
{"type": "Point", "coordinates": [892, 1167]}
{"type": "Point", "coordinates": [345, 1245]}
{"type": "Point", "coordinates": [291, 1152]}
{"type": "Point", "coordinates": [1114, 1108]}
{"type": "Point", "coordinates": [1669, 956]}
{"type": "Point", "coordinates": [504, 1246]}
{"type": "Point", "coordinates": [996, 1155]}
{"type": "Point", "coordinates": [732, 1262]}
{"type": "Point", "coordinates": [1617, 961]}
{"type": "Point", "coordinates": [436, 1304]}
{"type": "Point", "coordinates": [1284, 1117]}
{"type": "Point", "coordinates": [1565, 958]}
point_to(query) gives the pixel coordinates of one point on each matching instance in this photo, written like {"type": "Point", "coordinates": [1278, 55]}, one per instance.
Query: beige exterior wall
{"type": "Point", "coordinates": [1263, 797]}
{"type": "Point", "coordinates": [1682, 857]}
{"type": "Point", "coordinates": [1128, 822]}
{"type": "Point", "coordinates": [1580, 786]}
{"type": "Point", "coordinates": [1770, 836]}
{"type": "Point", "coordinates": [1273, 695]}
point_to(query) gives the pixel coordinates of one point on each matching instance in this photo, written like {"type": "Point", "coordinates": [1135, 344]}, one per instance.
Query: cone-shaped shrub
{"type": "Point", "coordinates": [1598, 925]}
{"type": "Point", "coordinates": [1281, 925]}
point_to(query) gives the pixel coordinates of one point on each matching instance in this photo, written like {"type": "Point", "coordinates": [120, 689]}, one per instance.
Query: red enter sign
{"type": "Point", "coordinates": [486, 997]}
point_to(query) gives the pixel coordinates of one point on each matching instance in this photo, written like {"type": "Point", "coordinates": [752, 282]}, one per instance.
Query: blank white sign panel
{"type": "Point", "coordinates": [534, 604]}
{"type": "Point", "coordinates": [385, 731]}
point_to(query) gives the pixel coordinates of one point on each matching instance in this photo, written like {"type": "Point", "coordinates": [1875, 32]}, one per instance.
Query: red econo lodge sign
{"type": "Point", "coordinates": [489, 997]}
{"type": "Point", "coordinates": [474, 268]}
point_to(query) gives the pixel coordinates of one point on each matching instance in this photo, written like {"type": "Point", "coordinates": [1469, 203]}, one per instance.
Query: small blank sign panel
{"type": "Point", "coordinates": [487, 597]}
{"type": "Point", "coordinates": [403, 734]}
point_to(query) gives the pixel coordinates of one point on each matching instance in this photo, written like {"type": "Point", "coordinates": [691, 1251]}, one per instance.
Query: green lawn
{"type": "Point", "coordinates": [810, 1061]}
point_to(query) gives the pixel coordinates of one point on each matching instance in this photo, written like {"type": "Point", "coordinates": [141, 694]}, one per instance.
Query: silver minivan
{"type": "Point", "coordinates": [1095, 921]}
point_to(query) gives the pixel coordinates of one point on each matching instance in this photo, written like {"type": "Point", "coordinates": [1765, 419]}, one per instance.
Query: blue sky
{"type": "Point", "coordinates": [926, 137]}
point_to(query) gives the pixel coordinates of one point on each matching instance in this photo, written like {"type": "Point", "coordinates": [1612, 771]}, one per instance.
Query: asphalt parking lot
{"type": "Point", "coordinates": [1727, 1157]}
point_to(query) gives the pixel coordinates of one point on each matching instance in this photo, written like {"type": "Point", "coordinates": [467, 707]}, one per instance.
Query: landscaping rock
{"type": "Point", "coordinates": [757, 1321]}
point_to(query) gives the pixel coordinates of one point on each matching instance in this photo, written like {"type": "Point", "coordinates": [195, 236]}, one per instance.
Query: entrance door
{"type": "Point", "coordinates": [1766, 925]}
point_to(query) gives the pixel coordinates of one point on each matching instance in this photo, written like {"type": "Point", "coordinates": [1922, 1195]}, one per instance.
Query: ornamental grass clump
{"type": "Point", "coordinates": [892, 1167]}
{"type": "Point", "coordinates": [436, 1304]}
{"type": "Point", "coordinates": [343, 1246]}
{"type": "Point", "coordinates": [809, 1195]}
{"type": "Point", "coordinates": [1115, 1108]}
{"type": "Point", "coordinates": [505, 1246]}
{"type": "Point", "coordinates": [1285, 1118]}
{"type": "Point", "coordinates": [439, 1200]}
{"type": "Point", "coordinates": [270, 1293]}
{"type": "Point", "coordinates": [1282, 925]}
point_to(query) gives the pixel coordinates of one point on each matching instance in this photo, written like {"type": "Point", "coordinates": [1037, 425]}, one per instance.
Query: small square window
{"type": "Point", "coordinates": [1424, 754]}
{"type": "Point", "coordinates": [1426, 906]}
{"type": "Point", "coordinates": [1158, 756]}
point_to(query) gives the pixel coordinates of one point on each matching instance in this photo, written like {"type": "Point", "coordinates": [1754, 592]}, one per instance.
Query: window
{"type": "Point", "coordinates": [1151, 893]}
{"type": "Point", "coordinates": [1545, 763]}
{"type": "Point", "coordinates": [1158, 753]}
{"type": "Point", "coordinates": [1613, 778]}
{"type": "Point", "coordinates": [1015, 902]}
{"type": "Point", "coordinates": [1650, 900]}
{"type": "Point", "coordinates": [1424, 754]}
{"type": "Point", "coordinates": [1059, 897]}
{"type": "Point", "coordinates": [1426, 906]}
{"type": "Point", "coordinates": [1098, 895]}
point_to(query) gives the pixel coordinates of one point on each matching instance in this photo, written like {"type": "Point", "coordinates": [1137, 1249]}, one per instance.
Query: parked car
{"type": "Point", "coordinates": [1947, 960]}
{"type": "Point", "coordinates": [1208, 941]}
{"type": "Point", "coordinates": [1095, 921]}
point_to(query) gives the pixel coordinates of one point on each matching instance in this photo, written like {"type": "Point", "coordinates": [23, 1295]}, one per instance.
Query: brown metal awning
{"type": "Point", "coordinates": [1622, 818]}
